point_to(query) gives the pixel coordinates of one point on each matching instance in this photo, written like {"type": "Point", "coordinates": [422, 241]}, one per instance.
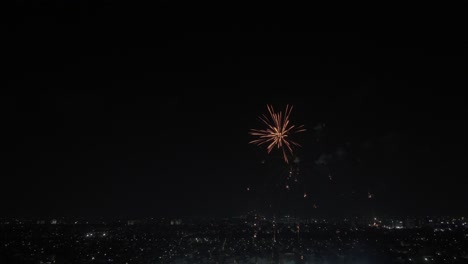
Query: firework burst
{"type": "Point", "coordinates": [278, 132]}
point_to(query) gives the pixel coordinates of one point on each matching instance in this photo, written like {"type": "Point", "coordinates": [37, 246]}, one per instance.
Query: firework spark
{"type": "Point", "coordinates": [278, 132]}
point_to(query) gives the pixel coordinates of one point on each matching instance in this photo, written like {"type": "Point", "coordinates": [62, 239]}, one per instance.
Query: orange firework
{"type": "Point", "coordinates": [278, 132]}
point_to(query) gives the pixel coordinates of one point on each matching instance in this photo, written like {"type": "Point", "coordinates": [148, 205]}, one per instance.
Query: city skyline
{"type": "Point", "coordinates": [247, 239]}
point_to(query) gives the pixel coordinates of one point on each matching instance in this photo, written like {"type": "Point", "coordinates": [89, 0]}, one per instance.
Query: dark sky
{"type": "Point", "coordinates": [113, 110]}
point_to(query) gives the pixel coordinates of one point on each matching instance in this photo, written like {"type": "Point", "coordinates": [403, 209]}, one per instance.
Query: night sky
{"type": "Point", "coordinates": [117, 111]}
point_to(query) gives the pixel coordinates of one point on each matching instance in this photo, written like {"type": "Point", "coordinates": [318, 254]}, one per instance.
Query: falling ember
{"type": "Point", "coordinates": [278, 132]}
{"type": "Point", "coordinates": [305, 195]}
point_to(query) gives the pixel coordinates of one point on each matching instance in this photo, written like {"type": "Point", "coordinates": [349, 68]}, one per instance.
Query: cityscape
{"type": "Point", "coordinates": [250, 238]}
{"type": "Point", "coordinates": [146, 132]}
